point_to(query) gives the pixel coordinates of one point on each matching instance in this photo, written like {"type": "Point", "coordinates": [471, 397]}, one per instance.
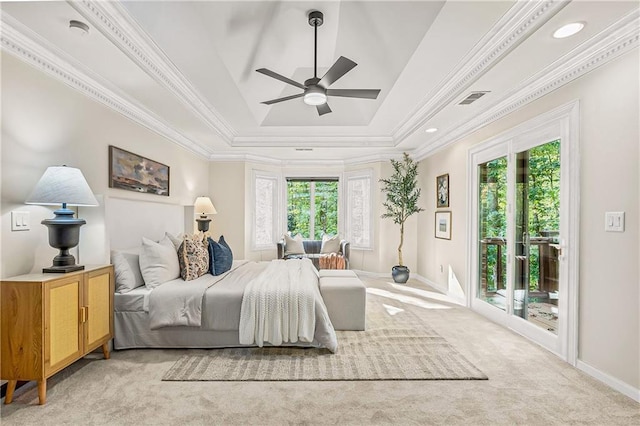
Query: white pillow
{"type": "Point", "coordinates": [293, 245]}
{"type": "Point", "coordinates": [126, 265]}
{"type": "Point", "coordinates": [158, 262]}
{"type": "Point", "coordinates": [330, 244]}
{"type": "Point", "coordinates": [175, 240]}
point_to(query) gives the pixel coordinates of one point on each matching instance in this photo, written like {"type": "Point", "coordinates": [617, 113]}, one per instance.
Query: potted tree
{"type": "Point", "coordinates": [402, 196]}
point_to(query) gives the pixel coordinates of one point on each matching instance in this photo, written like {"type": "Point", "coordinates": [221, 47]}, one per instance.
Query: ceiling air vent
{"type": "Point", "coordinates": [304, 149]}
{"type": "Point", "coordinates": [474, 96]}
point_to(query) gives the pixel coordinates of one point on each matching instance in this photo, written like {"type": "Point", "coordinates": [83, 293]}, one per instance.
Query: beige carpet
{"type": "Point", "coordinates": [527, 386]}
{"type": "Point", "coordinates": [393, 348]}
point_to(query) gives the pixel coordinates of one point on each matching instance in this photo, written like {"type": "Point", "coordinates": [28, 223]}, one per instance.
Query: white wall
{"type": "Point", "coordinates": [609, 290]}
{"type": "Point", "coordinates": [230, 190]}
{"type": "Point", "coordinates": [44, 123]}
{"type": "Point", "coordinates": [227, 192]}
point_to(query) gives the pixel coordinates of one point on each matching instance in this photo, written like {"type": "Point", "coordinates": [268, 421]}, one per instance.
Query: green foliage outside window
{"type": "Point", "coordinates": [323, 206]}
{"type": "Point", "coordinates": [543, 198]}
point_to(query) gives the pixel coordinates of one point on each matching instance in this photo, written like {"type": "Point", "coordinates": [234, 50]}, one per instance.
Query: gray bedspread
{"type": "Point", "coordinates": [182, 303]}
{"type": "Point", "coordinates": [215, 302]}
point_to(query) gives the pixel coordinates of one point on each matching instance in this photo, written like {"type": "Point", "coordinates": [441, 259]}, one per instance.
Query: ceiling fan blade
{"type": "Point", "coordinates": [323, 109]}
{"type": "Point", "coordinates": [354, 93]}
{"type": "Point", "coordinates": [341, 67]}
{"type": "Point", "coordinates": [286, 98]}
{"type": "Point", "coordinates": [280, 77]}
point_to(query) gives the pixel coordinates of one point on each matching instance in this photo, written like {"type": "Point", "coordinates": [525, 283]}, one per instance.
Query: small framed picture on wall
{"type": "Point", "coordinates": [442, 190]}
{"type": "Point", "coordinates": [443, 225]}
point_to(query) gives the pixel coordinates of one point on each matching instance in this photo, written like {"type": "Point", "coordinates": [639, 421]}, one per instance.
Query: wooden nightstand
{"type": "Point", "coordinates": [49, 321]}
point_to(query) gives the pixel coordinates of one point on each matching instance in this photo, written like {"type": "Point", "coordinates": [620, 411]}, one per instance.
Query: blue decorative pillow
{"type": "Point", "coordinates": [220, 256]}
{"type": "Point", "coordinates": [224, 243]}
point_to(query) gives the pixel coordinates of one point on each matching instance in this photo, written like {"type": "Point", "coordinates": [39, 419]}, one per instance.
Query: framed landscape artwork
{"type": "Point", "coordinates": [136, 173]}
{"type": "Point", "coordinates": [443, 225]}
{"type": "Point", "coordinates": [442, 190]}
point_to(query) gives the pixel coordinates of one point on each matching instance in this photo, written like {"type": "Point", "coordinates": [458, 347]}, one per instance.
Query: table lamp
{"type": "Point", "coordinates": [203, 206]}
{"type": "Point", "coordinates": [67, 186]}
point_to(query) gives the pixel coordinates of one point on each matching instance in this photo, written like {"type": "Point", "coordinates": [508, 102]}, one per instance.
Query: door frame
{"type": "Point", "coordinates": [560, 123]}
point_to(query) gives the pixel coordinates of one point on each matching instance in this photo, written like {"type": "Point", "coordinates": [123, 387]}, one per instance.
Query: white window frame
{"type": "Point", "coordinates": [366, 174]}
{"type": "Point", "coordinates": [276, 208]}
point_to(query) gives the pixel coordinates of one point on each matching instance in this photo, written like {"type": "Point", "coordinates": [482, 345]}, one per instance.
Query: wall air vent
{"type": "Point", "coordinates": [304, 149]}
{"type": "Point", "coordinates": [474, 96]}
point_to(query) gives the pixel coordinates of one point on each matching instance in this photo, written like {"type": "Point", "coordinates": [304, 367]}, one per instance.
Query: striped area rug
{"type": "Point", "coordinates": [398, 347]}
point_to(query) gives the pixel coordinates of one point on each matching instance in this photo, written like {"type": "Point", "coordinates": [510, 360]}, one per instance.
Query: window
{"type": "Point", "coordinates": [359, 218]}
{"type": "Point", "coordinates": [312, 207]}
{"type": "Point", "coordinates": [265, 210]}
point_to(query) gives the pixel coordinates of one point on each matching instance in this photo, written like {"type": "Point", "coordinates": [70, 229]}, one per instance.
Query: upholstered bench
{"type": "Point", "coordinates": [345, 297]}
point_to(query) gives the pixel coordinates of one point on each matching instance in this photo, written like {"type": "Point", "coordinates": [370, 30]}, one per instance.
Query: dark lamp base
{"type": "Point", "coordinates": [203, 223]}
{"type": "Point", "coordinates": [62, 269]}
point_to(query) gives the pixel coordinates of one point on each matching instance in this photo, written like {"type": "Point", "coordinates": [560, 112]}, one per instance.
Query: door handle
{"type": "Point", "coordinates": [560, 248]}
{"type": "Point", "coordinates": [84, 314]}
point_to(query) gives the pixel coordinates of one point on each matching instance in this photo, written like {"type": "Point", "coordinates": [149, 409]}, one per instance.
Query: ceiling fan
{"type": "Point", "coordinates": [317, 89]}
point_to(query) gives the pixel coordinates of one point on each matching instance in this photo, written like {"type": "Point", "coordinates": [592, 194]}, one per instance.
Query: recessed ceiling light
{"type": "Point", "coordinates": [568, 30]}
{"type": "Point", "coordinates": [79, 27]}
{"type": "Point", "coordinates": [431, 130]}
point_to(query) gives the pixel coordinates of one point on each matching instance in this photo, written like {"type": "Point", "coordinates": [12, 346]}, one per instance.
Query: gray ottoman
{"type": "Point", "coordinates": [345, 297]}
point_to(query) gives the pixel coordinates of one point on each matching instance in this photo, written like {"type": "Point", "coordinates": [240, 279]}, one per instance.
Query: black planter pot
{"type": "Point", "coordinates": [400, 274]}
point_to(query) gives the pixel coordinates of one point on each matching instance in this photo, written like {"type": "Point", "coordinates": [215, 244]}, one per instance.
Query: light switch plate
{"type": "Point", "coordinates": [614, 221]}
{"type": "Point", "coordinates": [20, 221]}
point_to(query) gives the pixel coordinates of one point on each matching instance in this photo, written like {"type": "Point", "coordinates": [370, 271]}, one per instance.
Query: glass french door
{"type": "Point", "coordinates": [518, 238]}
{"type": "Point", "coordinates": [536, 239]}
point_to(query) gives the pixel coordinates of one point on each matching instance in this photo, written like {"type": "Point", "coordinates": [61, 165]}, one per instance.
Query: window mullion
{"type": "Point", "coordinates": [312, 211]}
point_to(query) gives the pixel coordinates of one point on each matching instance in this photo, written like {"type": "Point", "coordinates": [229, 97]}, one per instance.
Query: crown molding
{"type": "Point", "coordinates": [521, 21]}
{"type": "Point", "coordinates": [314, 141]}
{"type": "Point", "coordinates": [252, 158]}
{"type": "Point", "coordinates": [373, 158]}
{"type": "Point", "coordinates": [115, 23]}
{"type": "Point", "coordinates": [264, 160]}
{"type": "Point", "coordinates": [29, 47]}
{"type": "Point", "coordinates": [618, 39]}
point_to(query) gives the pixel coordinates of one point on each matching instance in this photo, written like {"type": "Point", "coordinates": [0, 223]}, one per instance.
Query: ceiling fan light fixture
{"type": "Point", "coordinates": [568, 30]}
{"type": "Point", "coordinates": [314, 95]}
{"type": "Point", "coordinates": [316, 90]}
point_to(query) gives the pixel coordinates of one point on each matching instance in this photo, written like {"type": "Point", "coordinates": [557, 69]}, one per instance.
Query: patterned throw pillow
{"type": "Point", "coordinates": [193, 255]}
{"type": "Point", "coordinates": [221, 256]}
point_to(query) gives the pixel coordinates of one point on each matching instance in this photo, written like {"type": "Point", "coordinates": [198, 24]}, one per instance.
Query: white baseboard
{"type": "Point", "coordinates": [442, 288]}
{"type": "Point", "coordinates": [612, 382]}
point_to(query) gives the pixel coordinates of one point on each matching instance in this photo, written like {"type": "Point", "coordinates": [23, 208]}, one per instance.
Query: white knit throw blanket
{"type": "Point", "coordinates": [279, 305]}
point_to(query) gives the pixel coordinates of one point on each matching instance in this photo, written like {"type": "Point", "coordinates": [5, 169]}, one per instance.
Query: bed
{"type": "Point", "coordinates": [206, 312]}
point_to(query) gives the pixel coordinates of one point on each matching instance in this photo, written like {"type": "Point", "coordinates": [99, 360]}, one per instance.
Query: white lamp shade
{"type": "Point", "coordinates": [203, 205]}
{"type": "Point", "coordinates": [62, 184]}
